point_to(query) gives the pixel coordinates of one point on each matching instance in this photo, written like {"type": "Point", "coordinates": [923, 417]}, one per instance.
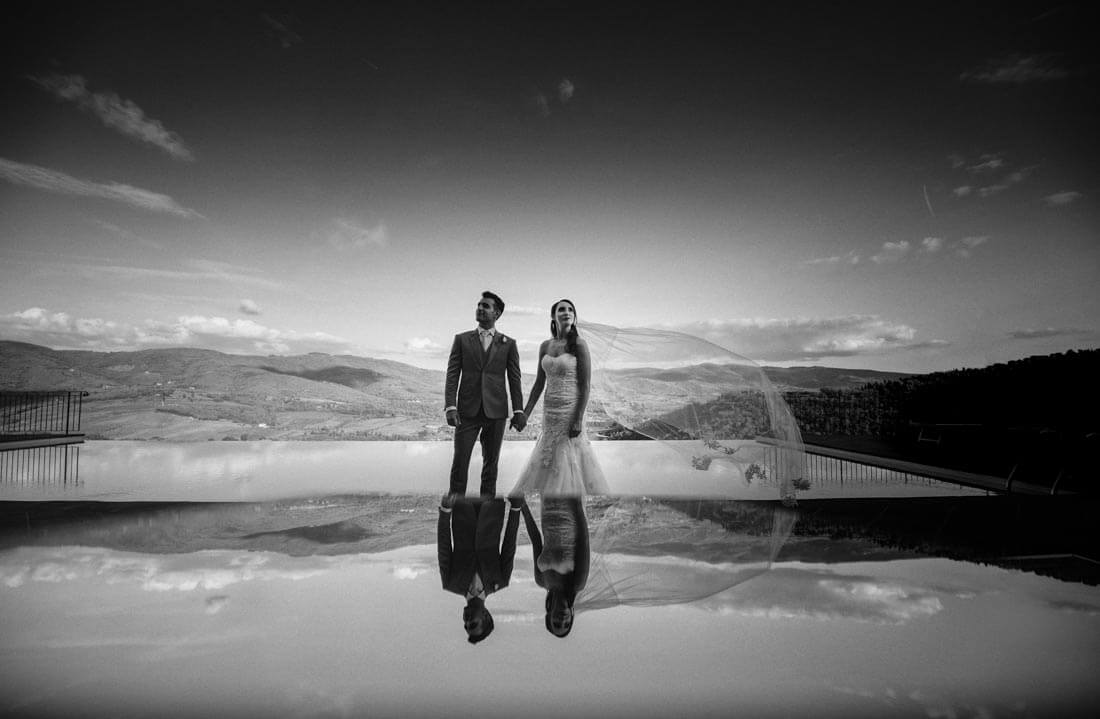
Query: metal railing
{"type": "Point", "coordinates": [41, 466]}
{"type": "Point", "coordinates": [818, 470]}
{"type": "Point", "coordinates": [40, 413]}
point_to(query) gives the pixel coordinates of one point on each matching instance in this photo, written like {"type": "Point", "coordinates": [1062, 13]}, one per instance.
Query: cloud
{"type": "Point", "coordinates": [115, 113]}
{"type": "Point", "coordinates": [1046, 332]}
{"type": "Point", "coordinates": [52, 181]}
{"type": "Point", "coordinates": [423, 345]}
{"type": "Point", "coordinates": [990, 190]}
{"type": "Point", "coordinates": [931, 244]}
{"type": "Point", "coordinates": [247, 334]}
{"type": "Point", "coordinates": [196, 571]}
{"type": "Point", "coordinates": [1012, 178]}
{"type": "Point", "coordinates": [280, 30]}
{"type": "Point", "coordinates": [987, 162]}
{"type": "Point", "coordinates": [1017, 70]}
{"type": "Point", "coordinates": [128, 236]}
{"type": "Point", "coordinates": [965, 246]}
{"type": "Point", "coordinates": [528, 311]}
{"type": "Point", "coordinates": [786, 593]}
{"type": "Point", "coordinates": [346, 235]}
{"type": "Point", "coordinates": [566, 89]}
{"type": "Point", "coordinates": [192, 272]}
{"type": "Point", "coordinates": [409, 572]}
{"type": "Point", "coordinates": [850, 258]}
{"type": "Point", "coordinates": [808, 339]}
{"type": "Point", "coordinates": [249, 307]}
{"type": "Point", "coordinates": [227, 272]}
{"type": "Point", "coordinates": [60, 330]}
{"type": "Point", "coordinates": [1060, 199]}
{"type": "Point", "coordinates": [891, 252]}
{"type": "Point", "coordinates": [987, 165]}
{"type": "Point", "coordinates": [541, 103]}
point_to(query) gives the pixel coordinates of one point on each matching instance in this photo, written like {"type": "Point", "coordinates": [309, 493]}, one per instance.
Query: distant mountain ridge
{"type": "Point", "coordinates": [191, 393]}
{"type": "Point", "coordinates": [31, 367]}
{"type": "Point", "coordinates": [817, 377]}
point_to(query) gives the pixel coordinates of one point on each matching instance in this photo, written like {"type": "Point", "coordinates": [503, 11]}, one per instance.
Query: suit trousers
{"type": "Point", "coordinates": [491, 432]}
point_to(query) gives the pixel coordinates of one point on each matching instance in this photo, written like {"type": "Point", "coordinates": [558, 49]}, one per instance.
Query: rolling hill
{"type": "Point", "coordinates": [196, 394]}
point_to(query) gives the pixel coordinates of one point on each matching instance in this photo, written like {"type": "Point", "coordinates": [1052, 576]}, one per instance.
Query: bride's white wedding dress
{"type": "Point", "coordinates": [560, 464]}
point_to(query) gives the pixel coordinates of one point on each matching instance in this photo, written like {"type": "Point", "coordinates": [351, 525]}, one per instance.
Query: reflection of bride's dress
{"type": "Point", "coordinates": [559, 537]}
{"type": "Point", "coordinates": [560, 465]}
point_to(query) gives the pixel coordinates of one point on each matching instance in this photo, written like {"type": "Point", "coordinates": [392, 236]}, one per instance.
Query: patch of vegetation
{"type": "Point", "coordinates": [353, 377]}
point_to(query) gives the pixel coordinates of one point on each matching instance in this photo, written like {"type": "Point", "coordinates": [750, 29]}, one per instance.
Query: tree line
{"type": "Point", "coordinates": [1056, 392]}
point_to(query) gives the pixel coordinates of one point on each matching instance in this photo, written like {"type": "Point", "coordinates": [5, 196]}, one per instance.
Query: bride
{"type": "Point", "coordinates": [562, 462]}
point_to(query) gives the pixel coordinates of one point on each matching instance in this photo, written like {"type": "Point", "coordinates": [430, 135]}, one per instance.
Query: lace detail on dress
{"type": "Point", "coordinates": [560, 464]}
{"type": "Point", "coordinates": [559, 402]}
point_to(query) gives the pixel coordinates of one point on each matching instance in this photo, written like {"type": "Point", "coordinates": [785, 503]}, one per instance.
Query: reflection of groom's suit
{"type": "Point", "coordinates": [476, 526]}
{"type": "Point", "coordinates": [475, 386]}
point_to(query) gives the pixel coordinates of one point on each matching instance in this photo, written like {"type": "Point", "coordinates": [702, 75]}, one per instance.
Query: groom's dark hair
{"type": "Point", "coordinates": [487, 627]}
{"type": "Point", "coordinates": [495, 298]}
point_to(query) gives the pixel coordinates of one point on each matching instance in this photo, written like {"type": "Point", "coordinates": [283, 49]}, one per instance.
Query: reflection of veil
{"type": "Point", "coordinates": [716, 408]}
{"type": "Point", "coordinates": [647, 552]}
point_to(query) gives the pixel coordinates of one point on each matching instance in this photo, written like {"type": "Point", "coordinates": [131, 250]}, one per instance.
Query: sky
{"type": "Point", "coordinates": [881, 186]}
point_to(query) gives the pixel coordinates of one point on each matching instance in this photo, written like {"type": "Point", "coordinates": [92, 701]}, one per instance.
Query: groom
{"type": "Point", "coordinates": [476, 401]}
{"type": "Point", "coordinates": [477, 549]}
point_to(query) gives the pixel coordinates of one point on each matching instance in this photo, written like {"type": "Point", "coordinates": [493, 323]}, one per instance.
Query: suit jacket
{"type": "Point", "coordinates": [476, 526]}
{"type": "Point", "coordinates": [582, 553]}
{"type": "Point", "coordinates": [475, 377]}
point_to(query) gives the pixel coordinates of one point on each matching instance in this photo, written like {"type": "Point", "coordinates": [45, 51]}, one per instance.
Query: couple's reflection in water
{"type": "Point", "coordinates": [477, 539]}
{"type": "Point", "coordinates": [596, 552]}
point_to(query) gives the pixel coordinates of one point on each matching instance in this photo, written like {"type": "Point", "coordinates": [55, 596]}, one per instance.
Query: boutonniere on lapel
{"type": "Point", "coordinates": [503, 339]}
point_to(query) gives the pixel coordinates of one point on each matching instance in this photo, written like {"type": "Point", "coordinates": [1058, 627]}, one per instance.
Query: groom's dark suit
{"type": "Point", "coordinates": [475, 385]}
{"type": "Point", "coordinates": [476, 526]}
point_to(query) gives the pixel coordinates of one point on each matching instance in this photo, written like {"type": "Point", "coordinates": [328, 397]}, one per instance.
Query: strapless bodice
{"type": "Point", "coordinates": [559, 366]}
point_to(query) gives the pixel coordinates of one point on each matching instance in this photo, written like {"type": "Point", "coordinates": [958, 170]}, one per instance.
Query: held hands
{"type": "Point", "coordinates": [575, 430]}
{"type": "Point", "coordinates": [452, 418]}
{"type": "Point", "coordinates": [518, 422]}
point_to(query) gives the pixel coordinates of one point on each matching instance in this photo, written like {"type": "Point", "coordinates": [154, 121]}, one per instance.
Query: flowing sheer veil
{"type": "Point", "coordinates": [712, 406]}
{"type": "Point", "coordinates": [722, 416]}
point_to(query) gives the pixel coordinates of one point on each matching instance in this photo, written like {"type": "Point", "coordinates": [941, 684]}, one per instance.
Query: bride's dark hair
{"type": "Point", "coordinates": [571, 337]}
{"type": "Point", "coordinates": [569, 596]}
